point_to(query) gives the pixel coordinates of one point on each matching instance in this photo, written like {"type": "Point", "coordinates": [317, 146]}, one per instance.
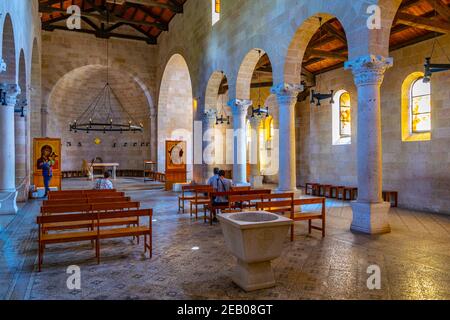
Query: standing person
{"type": "Point", "coordinates": [104, 183]}
{"type": "Point", "coordinates": [212, 182]}
{"type": "Point", "coordinates": [47, 173]}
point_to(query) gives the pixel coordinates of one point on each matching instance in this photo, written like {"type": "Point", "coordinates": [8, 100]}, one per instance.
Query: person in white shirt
{"type": "Point", "coordinates": [104, 183]}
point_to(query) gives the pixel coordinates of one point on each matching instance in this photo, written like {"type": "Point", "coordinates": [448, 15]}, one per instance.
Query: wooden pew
{"type": "Point", "coordinates": [184, 197]}
{"type": "Point", "coordinates": [105, 207]}
{"type": "Point", "coordinates": [97, 232]}
{"type": "Point", "coordinates": [47, 203]}
{"type": "Point", "coordinates": [201, 198]}
{"type": "Point", "coordinates": [87, 196]}
{"type": "Point", "coordinates": [282, 207]}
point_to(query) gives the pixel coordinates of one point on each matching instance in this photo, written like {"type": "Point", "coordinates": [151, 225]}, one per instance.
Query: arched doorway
{"type": "Point", "coordinates": [175, 110]}
{"type": "Point", "coordinates": [72, 95]}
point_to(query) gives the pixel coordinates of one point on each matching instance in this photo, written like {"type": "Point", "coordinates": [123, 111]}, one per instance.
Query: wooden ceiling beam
{"type": "Point", "coordinates": [326, 54]}
{"type": "Point", "coordinates": [423, 23]}
{"type": "Point", "coordinates": [113, 19]}
{"type": "Point", "coordinates": [441, 8]}
{"type": "Point", "coordinates": [171, 5]}
{"type": "Point", "coordinates": [102, 34]}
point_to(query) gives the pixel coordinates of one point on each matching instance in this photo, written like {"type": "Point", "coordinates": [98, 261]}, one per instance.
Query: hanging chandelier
{"type": "Point", "coordinates": [317, 97]}
{"type": "Point", "coordinates": [222, 117]}
{"type": "Point", "coordinates": [431, 68]}
{"type": "Point", "coordinates": [99, 116]}
{"type": "Point", "coordinates": [259, 111]}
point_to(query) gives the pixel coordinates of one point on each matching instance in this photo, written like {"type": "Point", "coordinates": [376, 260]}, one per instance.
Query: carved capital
{"type": "Point", "coordinates": [370, 69]}
{"type": "Point", "coordinates": [287, 93]}
{"type": "Point", "coordinates": [12, 92]}
{"type": "Point", "coordinates": [239, 107]}
{"type": "Point", "coordinates": [2, 65]}
{"type": "Point", "coordinates": [209, 117]}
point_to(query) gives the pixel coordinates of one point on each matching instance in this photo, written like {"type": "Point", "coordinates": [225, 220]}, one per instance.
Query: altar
{"type": "Point", "coordinates": [114, 167]}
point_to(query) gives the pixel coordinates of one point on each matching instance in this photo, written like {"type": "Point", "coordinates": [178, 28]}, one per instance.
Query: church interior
{"type": "Point", "coordinates": [224, 150]}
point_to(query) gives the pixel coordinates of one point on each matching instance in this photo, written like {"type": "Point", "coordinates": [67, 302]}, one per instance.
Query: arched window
{"type": "Point", "coordinates": [416, 109]}
{"type": "Point", "coordinates": [216, 8]}
{"type": "Point", "coordinates": [342, 118]}
{"type": "Point", "coordinates": [420, 106]}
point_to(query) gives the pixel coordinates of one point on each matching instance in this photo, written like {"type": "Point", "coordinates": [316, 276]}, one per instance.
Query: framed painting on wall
{"type": "Point", "coordinates": [47, 148]}
{"type": "Point", "coordinates": [176, 168]}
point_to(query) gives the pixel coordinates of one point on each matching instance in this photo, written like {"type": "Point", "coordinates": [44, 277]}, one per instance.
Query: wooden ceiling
{"type": "Point", "coordinates": [416, 21]}
{"type": "Point", "coordinates": [141, 20]}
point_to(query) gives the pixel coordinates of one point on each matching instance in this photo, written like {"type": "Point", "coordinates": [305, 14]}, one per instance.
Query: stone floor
{"type": "Point", "coordinates": [414, 259]}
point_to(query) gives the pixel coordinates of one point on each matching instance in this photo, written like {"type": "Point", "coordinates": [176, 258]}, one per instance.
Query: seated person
{"type": "Point", "coordinates": [212, 182]}
{"type": "Point", "coordinates": [104, 183]}
{"type": "Point", "coordinates": [223, 185]}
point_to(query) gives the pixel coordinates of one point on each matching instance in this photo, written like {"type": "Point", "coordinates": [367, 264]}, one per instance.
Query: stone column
{"type": "Point", "coordinates": [209, 122]}
{"type": "Point", "coordinates": [256, 179]}
{"type": "Point", "coordinates": [370, 213]}
{"type": "Point", "coordinates": [8, 193]}
{"type": "Point", "coordinates": [287, 99]}
{"type": "Point", "coordinates": [20, 127]}
{"type": "Point", "coordinates": [239, 109]}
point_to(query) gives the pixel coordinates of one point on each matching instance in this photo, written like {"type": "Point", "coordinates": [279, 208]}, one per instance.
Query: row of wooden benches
{"type": "Point", "coordinates": [344, 193]}
{"type": "Point", "coordinates": [77, 216]}
{"type": "Point", "coordinates": [245, 198]}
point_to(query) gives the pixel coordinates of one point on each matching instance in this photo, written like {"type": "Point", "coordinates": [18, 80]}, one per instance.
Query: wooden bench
{"type": "Point", "coordinates": [47, 203]}
{"type": "Point", "coordinates": [47, 210]}
{"type": "Point", "coordinates": [284, 206]}
{"type": "Point", "coordinates": [87, 196]}
{"type": "Point", "coordinates": [201, 198]}
{"type": "Point", "coordinates": [241, 188]}
{"type": "Point", "coordinates": [184, 197]}
{"type": "Point", "coordinates": [97, 232]}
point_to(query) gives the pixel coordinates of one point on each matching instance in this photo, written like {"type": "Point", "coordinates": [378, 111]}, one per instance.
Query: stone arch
{"type": "Point", "coordinates": [212, 93]}
{"type": "Point", "coordinates": [299, 44]}
{"type": "Point", "coordinates": [72, 94]}
{"type": "Point", "coordinates": [245, 73]}
{"type": "Point", "coordinates": [175, 109]}
{"type": "Point", "coordinates": [381, 37]}
{"type": "Point", "coordinates": [8, 52]}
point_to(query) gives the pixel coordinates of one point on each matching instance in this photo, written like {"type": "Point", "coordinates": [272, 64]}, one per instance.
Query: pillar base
{"type": "Point", "coordinates": [371, 218]}
{"type": "Point", "coordinates": [257, 181]}
{"type": "Point", "coordinates": [8, 203]}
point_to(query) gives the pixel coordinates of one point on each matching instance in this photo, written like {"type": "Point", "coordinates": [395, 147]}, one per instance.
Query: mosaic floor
{"type": "Point", "coordinates": [414, 260]}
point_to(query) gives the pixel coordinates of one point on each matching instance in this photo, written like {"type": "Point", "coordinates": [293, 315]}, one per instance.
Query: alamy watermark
{"type": "Point", "coordinates": [374, 280]}
{"type": "Point", "coordinates": [74, 280]}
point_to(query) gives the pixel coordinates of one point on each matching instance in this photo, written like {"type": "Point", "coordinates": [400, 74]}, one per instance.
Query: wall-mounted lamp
{"type": "Point", "coordinates": [321, 96]}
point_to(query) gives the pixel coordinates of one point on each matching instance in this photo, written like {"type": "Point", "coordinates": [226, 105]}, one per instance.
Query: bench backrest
{"type": "Point", "coordinates": [276, 206]}
{"type": "Point", "coordinates": [278, 196]}
{"type": "Point", "coordinates": [87, 195]}
{"type": "Point", "coordinates": [89, 207]}
{"type": "Point", "coordinates": [94, 216]}
{"type": "Point", "coordinates": [241, 188]}
{"type": "Point", "coordinates": [245, 198]}
{"type": "Point", "coordinates": [80, 191]}
{"type": "Point", "coordinates": [115, 206]}
{"type": "Point", "coordinates": [48, 203]}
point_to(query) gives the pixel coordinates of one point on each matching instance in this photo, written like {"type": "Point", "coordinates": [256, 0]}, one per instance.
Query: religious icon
{"type": "Point", "coordinates": [176, 155]}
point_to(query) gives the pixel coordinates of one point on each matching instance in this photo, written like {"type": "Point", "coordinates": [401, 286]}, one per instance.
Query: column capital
{"type": "Point", "coordinates": [210, 117]}
{"type": "Point", "coordinates": [12, 92]}
{"type": "Point", "coordinates": [2, 65]}
{"type": "Point", "coordinates": [369, 69]}
{"type": "Point", "coordinates": [239, 107]}
{"type": "Point", "coordinates": [287, 89]}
